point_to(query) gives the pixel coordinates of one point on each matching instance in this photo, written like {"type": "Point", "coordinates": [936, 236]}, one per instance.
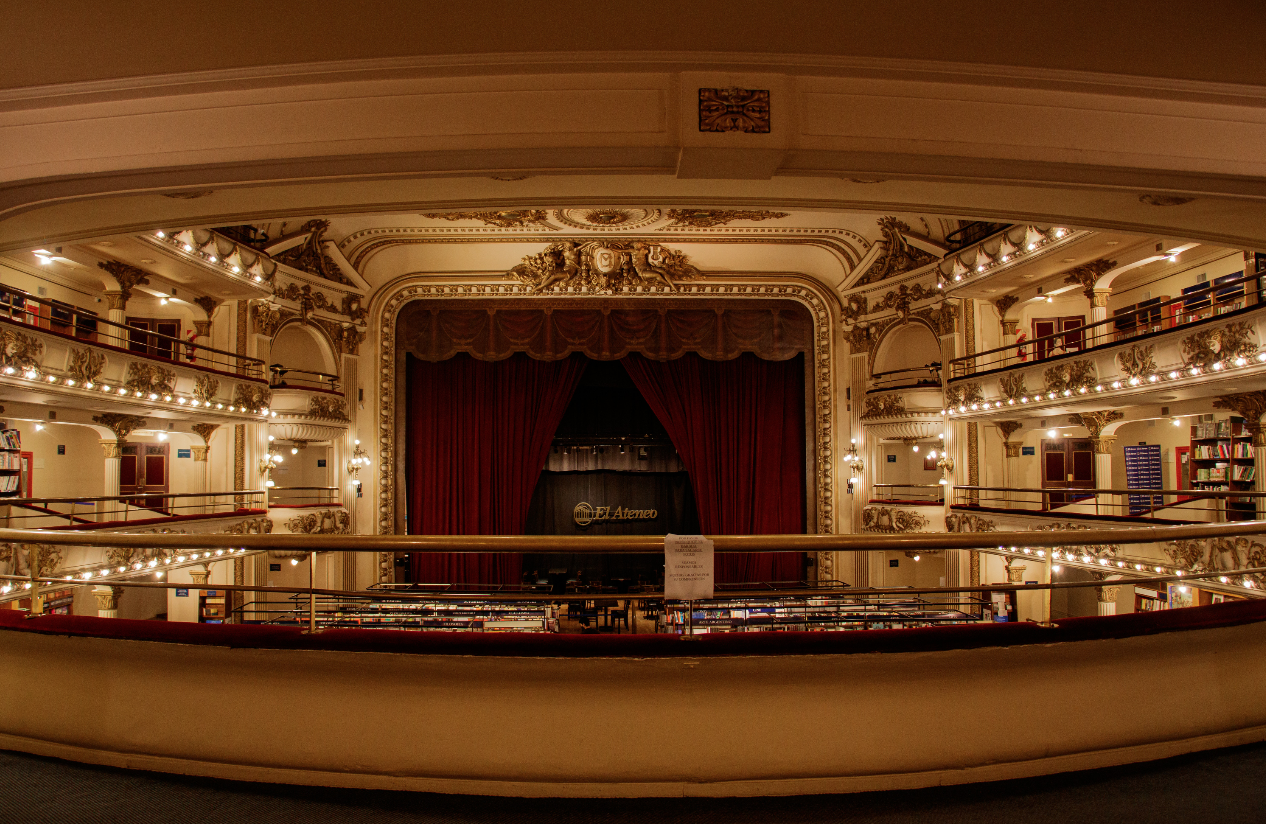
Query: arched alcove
{"type": "Point", "coordinates": [300, 346]}
{"type": "Point", "coordinates": [907, 356]}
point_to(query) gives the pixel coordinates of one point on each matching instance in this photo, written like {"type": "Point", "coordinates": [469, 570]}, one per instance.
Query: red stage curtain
{"type": "Point", "coordinates": [478, 435]}
{"type": "Point", "coordinates": [739, 428]}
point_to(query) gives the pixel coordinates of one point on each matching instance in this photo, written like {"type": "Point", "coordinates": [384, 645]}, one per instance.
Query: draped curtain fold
{"type": "Point", "coordinates": [739, 428]}
{"type": "Point", "coordinates": [478, 436]}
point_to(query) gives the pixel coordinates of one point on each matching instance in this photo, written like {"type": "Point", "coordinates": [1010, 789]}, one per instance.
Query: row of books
{"type": "Point", "coordinates": [1241, 473]}
{"type": "Point", "coordinates": [9, 484]}
{"type": "Point", "coordinates": [10, 460]}
{"type": "Point", "coordinates": [1243, 450]}
{"type": "Point", "coordinates": [1217, 473]}
{"type": "Point", "coordinates": [1209, 451]}
{"type": "Point", "coordinates": [10, 439]}
{"type": "Point", "coordinates": [1214, 429]}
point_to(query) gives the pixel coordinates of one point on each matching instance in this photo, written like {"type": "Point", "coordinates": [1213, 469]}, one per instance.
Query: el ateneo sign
{"type": "Point", "coordinates": [585, 514]}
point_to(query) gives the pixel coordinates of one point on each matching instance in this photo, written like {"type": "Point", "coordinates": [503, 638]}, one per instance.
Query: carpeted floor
{"type": "Point", "coordinates": [1222, 786]}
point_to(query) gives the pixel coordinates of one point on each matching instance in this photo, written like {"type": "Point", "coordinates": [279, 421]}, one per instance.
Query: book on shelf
{"type": "Point", "coordinates": [1242, 473]}
{"type": "Point", "coordinates": [10, 439]}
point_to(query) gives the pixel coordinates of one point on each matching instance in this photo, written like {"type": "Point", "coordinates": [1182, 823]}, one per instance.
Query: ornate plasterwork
{"type": "Point", "coordinates": [600, 219]}
{"type": "Point", "coordinates": [269, 317]}
{"type": "Point", "coordinates": [205, 388]}
{"type": "Point", "coordinates": [1069, 376]}
{"type": "Point", "coordinates": [251, 526]}
{"type": "Point", "coordinates": [252, 395]}
{"type": "Point", "coordinates": [1092, 551]}
{"type": "Point", "coordinates": [734, 110]}
{"type": "Point", "coordinates": [307, 298]}
{"type": "Point", "coordinates": [86, 365]}
{"type": "Point", "coordinates": [503, 219]}
{"type": "Point", "coordinates": [1012, 386]}
{"type": "Point", "coordinates": [1137, 361]}
{"type": "Point", "coordinates": [855, 306]}
{"type": "Point", "coordinates": [1004, 303]}
{"type": "Point", "coordinates": [326, 522]}
{"type": "Point", "coordinates": [884, 406]}
{"type": "Point", "coordinates": [120, 425]}
{"type": "Point", "coordinates": [1087, 275]}
{"type": "Point", "coordinates": [967, 522]}
{"type": "Point", "coordinates": [1250, 406]}
{"type": "Point", "coordinates": [824, 402]}
{"type": "Point", "coordinates": [964, 395]}
{"type": "Point", "coordinates": [1008, 428]}
{"type": "Point", "coordinates": [323, 406]}
{"type": "Point", "coordinates": [1208, 346]}
{"type": "Point", "coordinates": [1218, 555]}
{"type": "Point", "coordinates": [128, 278]}
{"type": "Point", "coordinates": [346, 337]}
{"type": "Point", "coordinates": [604, 267]}
{"type": "Point", "coordinates": [707, 218]}
{"type": "Point", "coordinates": [900, 299]}
{"type": "Point", "coordinates": [1096, 421]}
{"type": "Point", "coordinates": [862, 337]}
{"type": "Point", "coordinates": [206, 304]}
{"type": "Point", "coordinates": [19, 350]}
{"type": "Point", "coordinates": [145, 378]}
{"type": "Point", "coordinates": [898, 256]}
{"type": "Point", "coordinates": [205, 430]}
{"type": "Point", "coordinates": [310, 255]}
{"type": "Point", "coordinates": [892, 520]}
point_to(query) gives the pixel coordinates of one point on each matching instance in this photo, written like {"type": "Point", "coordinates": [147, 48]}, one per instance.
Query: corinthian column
{"type": "Point", "coordinates": [1107, 599]}
{"type": "Point", "coordinates": [107, 600]}
{"type": "Point", "coordinates": [1012, 450]}
{"type": "Point", "coordinates": [128, 277]}
{"type": "Point", "coordinates": [110, 487]}
{"type": "Point", "coordinates": [1095, 423]}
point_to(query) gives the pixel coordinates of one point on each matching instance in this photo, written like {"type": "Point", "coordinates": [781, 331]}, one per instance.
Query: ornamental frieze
{"type": "Point", "coordinates": [252, 396]}
{"type": "Point", "coordinates": [19, 350]}
{"type": "Point", "coordinates": [967, 522]}
{"type": "Point", "coordinates": [1070, 376]}
{"type": "Point", "coordinates": [333, 408]}
{"type": "Point", "coordinates": [604, 266]}
{"type": "Point", "coordinates": [1013, 387]}
{"type": "Point", "coordinates": [891, 520]}
{"type": "Point", "coordinates": [505, 219]}
{"type": "Point", "coordinates": [205, 388]}
{"type": "Point", "coordinates": [86, 365]}
{"type": "Point", "coordinates": [1206, 347]}
{"type": "Point", "coordinates": [964, 396]}
{"type": "Point", "coordinates": [145, 378]}
{"type": "Point", "coordinates": [1137, 361]}
{"type": "Point", "coordinates": [327, 522]}
{"type": "Point", "coordinates": [707, 218]}
{"type": "Point", "coordinates": [884, 406]}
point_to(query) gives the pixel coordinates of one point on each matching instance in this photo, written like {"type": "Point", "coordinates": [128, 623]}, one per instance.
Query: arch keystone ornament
{"type": "Point", "coordinates": [604, 267]}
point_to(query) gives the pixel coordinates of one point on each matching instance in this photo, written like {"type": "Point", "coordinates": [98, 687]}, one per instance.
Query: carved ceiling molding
{"type": "Point", "coordinates": [709, 218]}
{"type": "Point", "coordinates": [396, 295]}
{"type": "Point", "coordinates": [120, 425]}
{"type": "Point", "coordinates": [1087, 275]}
{"type": "Point", "coordinates": [128, 278]}
{"type": "Point", "coordinates": [268, 317]}
{"type": "Point", "coordinates": [502, 219]}
{"type": "Point", "coordinates": [916, 426]}
{"type": "Point", "coordinates": [605, 219]}
{"type": "Point", "coordinates": [206, 304]}
{"type": "Point", "coordinates": [205, 431]}
{"type": "Point", "coordinates": [848, 246]}
{"type": "Point", "coordinates": [734, 110]}
{"type": "Point", "coordinates": [310, 255]}
{"type": "Point", "coordinates": [604, 267]}
{"type": "Point", "coordinates": [900, 299]}
{"type": "Point", "coordinates": [898, 256]}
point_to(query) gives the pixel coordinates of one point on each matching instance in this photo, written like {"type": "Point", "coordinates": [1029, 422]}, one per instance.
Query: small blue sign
{"type": "Point", "coordinates": [184, 453]}
{"type": "Point", "coordinates": [182, 593]}
{"type": "Point", "coordinates": [892, 459]}
{"type": "Point", "coordinates": [1028, 450]}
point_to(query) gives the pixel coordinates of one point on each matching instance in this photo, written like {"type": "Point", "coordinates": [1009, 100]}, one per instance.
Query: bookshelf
{"type": "Point", "coordinates": [1222, 460]}
{"type": "Point", "coordinates": [10, 463]}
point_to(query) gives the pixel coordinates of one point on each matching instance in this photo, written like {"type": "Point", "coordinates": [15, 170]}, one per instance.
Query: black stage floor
{"type": "Point", "coordinates": [1219, 786]}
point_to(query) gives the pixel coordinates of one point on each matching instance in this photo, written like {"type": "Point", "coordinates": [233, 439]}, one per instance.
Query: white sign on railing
{"type": "Point", "coordinates": [688, 571]}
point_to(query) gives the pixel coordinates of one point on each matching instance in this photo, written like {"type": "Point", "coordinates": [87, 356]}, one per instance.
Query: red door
{"type": "Point", "coordinates": [143, 470]}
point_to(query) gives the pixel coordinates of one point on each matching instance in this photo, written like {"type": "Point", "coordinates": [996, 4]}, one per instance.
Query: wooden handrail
{"type": "Point", "coordinates": [135, 496]}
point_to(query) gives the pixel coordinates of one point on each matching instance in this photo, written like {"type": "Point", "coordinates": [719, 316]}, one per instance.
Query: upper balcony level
{"type": "Point", "coordinates": [1200, 344]}
{"type": "Point", "coordinates": [53, 353]}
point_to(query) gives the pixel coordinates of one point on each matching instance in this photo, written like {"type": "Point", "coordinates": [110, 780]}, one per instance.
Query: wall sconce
{"type": "Point", "coordinates": [854, 461]}
{"type": "Point", "coordinates": [945, 462]}
{"type": "Point", "coordinates": [268, 464]}
{"type": "Point", "coordinates": [359, 458]}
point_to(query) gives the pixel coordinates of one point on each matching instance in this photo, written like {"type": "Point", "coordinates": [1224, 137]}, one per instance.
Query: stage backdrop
{"type": "Point", "coordinates": [559, 494]}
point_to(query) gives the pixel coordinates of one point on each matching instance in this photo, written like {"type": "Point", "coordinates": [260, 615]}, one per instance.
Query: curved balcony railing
{"type": "Point", "coordinates": [914, 377]}
{"type": "Point", "coordinates": [301, 496]}
{"type": "Point", "coordinates": [909, 493]}
{"type": "Point", "coordinates": [87, 327]}
{"type": "Point", "coordinates": [122, 510]}
{"type": "Point", "coordinates": [1212, 303]}
{"type": "Point", "coordinates": [285, 377]}
{"type": "Point", "coordinates": [1183, 505]}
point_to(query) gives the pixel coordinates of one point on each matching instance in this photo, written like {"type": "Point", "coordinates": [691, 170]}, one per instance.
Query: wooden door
{"type": "Point", "coordinates": [1068, 463]}
{"type": "Point", "coordinates": [140, 339]}
{"type": "Point", "coordinates": [1074, 339]}
{"type": "Point", "coordinates": [143, 471]}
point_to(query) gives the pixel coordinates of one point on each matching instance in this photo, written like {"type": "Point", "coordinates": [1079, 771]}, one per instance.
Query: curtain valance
{"type": "Point", "coordinates": [605, 330]}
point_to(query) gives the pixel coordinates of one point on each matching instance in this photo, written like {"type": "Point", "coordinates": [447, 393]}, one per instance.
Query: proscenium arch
{"type": "Point", "coordinates": [820, 404]}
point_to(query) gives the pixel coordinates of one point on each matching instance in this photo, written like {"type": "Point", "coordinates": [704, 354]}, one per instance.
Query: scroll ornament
{"type": "Point", "coordinates": [604, 266]}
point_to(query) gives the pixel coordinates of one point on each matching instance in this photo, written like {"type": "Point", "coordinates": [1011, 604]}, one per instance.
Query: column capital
{"type": "Point", "coordinates": [1013, 448]}
{"type": "Point", "coordinates": [111, 448]}
{"type": "Point", "coordinates": [200, 576]}
{"type": "Point", "coordinates": [116, 301]}
{"type": "Point", "coordinates": [1015, 573]}
{"type": "Point", "coordinates": [1103, 444]}
{"type": "Point", "coordinates": [127, 277]}
{"type": "Point", "coordinates": [107, 597]}
{"type": "Point", "coordinates": [1101, 297]}
{"type": "Point", "coordinates": [202, 328]}
{"type": "Point", "coordinates": [200, 452]}
{"type": "Point", "coordinates": [1107, 594]}
{"type": "Point", "coordinates": [1010, 327]}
